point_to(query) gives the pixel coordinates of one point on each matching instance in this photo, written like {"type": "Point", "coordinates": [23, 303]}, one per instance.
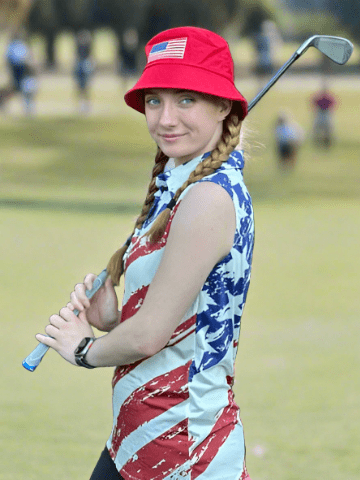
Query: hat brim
{"type": "Point", "coordinates": [173, 75]}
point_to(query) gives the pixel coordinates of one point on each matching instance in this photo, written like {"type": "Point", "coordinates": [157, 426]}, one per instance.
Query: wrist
{"type": "Point", "coordinates": [81, 352]}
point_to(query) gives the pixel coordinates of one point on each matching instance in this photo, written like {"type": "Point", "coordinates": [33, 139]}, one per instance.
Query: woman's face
{"type": "Point", "coordinates": [184, 124]}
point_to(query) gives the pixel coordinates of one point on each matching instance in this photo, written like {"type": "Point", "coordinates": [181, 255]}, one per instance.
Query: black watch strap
{"type": "Point", "coordinates": [81, 351]}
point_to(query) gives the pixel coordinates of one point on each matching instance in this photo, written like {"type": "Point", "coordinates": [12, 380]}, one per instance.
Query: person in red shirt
{"type": "Point", "coordinates": [324, 103]}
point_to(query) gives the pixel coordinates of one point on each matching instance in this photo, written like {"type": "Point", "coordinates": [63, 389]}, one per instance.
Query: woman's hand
{"type": "Point", "coordinates": [102, 309]}
{"type": "Point", "coordinates": [66, 331]}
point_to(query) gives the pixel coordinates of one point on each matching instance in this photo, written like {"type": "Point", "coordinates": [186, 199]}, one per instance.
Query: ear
{"type": "Point", "coordinates": [225, 107]}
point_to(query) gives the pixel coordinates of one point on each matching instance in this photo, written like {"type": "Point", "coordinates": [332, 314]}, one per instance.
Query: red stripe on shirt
{"type": "Point", "coordinates": [149, 401]}
{"type": "Point", "coordinates": [123, 370]}
{"type": "Point", "coordinates": [180, 339]}
{"type": "Point", "coordinates": [207, 450]}
{"type": "Point", "coordinates": [134, 303]}
{"type": "Point", "coordinates": [141, 246]}
{"type": "Point", "coordinates": [161, 456]}
{"type": "Point", "coordinates": [146, 248]}
{"type": "Point", "coordinates": [128, 311]}
{"type": "Point", "coordinates": [183, 327]}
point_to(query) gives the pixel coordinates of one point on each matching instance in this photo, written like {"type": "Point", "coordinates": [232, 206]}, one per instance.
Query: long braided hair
{"type": "Point", "coordinates": [227, 143]}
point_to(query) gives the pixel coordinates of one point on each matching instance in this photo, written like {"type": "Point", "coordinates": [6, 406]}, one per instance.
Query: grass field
{"type": "Point", "coordinates": [69, 190]}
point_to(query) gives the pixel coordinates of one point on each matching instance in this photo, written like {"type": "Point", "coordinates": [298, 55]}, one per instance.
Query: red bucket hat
{"type": "Point", "coordinates": [188, 58]}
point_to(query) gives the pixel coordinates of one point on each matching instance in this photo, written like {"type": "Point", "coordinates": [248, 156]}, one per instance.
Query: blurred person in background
{"type": "Point", "coordinates": [23, 74]}
{"type": "Point", "coordinates": [273, 35]}
{"type": "Point", "coordinates": [128, 50]}
{"type": "Point", "coordinates": [324, 103]}
{"type": "Point", "coordinates": [289, 136]}
{"type": "Point", "coordinates": [264, 51]}
{"type": "Point", "coordinates": [187, 267]}
{"type": "Point", "coordinates": [29, 88]}
{"type": "Point", "coordinates": [83, 70]}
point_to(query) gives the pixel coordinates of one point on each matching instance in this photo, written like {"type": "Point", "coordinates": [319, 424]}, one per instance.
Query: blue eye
{"type": "Point", "coordinates": [152, 101]}
{"type": "Point", "coordinates": [187, 100]}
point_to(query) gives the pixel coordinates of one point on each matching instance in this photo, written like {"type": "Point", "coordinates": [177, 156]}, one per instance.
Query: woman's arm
{"type": "Point", "coordinates": [201, 234]}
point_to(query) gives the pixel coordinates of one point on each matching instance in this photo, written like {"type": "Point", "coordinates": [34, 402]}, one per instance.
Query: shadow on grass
{"type": "Point", "coordinates": [73, 151]}
{"type": "Point", "coordinates": [100, 158]}
{"type": "Point", "coordinates": [71, 206]}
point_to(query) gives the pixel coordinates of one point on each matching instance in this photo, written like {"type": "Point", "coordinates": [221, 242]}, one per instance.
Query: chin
{"type": "Point", "coordinates": [175, 152]}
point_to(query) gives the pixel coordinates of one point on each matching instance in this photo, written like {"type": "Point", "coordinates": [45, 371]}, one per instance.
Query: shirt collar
{"type": "Point", "coordinates": [174, 177]}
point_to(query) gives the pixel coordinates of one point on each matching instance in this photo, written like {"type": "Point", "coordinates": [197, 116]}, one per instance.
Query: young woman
{"type": "Point", "coordinates": [187, 271]}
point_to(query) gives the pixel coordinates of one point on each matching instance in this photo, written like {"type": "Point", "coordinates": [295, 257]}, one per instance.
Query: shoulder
{"type": "Point", "coordinates": [204, 206]}
{"type": "Point", "coordinates": [206, 198]}
{"type": "Point", "coordinates": [230, 178]}
{"type": "Point", "coordinates": [204, 221]}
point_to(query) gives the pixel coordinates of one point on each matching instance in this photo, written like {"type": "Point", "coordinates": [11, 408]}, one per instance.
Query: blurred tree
{"type": "Point", "coordinates": [163, 14]}
{"type": "Point", "coordinates": [117, 14]}
{"type": "Point", "coordinates": [79, 14]}
{"type": "Point", "coordinates": [348, 13]}
{"type": "Point", "coordinates": [13, 14]}
{"type": "Point", "coordinates": [147, 17]}
{"type": "Point", "coordinates": [50, 17]}
{"type": "Point", "coordinates": [46, 19]}
{"type": "Point", "coordinates": [325, 17]}
{"type": "Point", "coordinates": [219, 13]}
{"type": "Point", "coordinates": [253, 14]}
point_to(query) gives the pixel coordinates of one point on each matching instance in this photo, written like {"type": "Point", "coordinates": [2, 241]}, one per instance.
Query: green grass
{"type": "Point", "coordinates": [69, 191]}
{"type": "Point", "coordinates": [66, 158]}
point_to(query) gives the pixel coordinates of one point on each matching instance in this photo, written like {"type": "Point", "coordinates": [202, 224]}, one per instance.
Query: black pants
{"type": "Point", "coordinates": [105, 468]}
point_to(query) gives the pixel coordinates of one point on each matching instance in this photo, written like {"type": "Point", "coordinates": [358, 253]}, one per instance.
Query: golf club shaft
{"type": "Point", "coordinates": [32, 361]}
{"type": "Point", "coordinates": [274, 79]}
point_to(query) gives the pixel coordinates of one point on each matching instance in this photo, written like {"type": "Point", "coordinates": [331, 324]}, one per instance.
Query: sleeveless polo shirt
{"type": "Point", "coordinates": [174, 413]}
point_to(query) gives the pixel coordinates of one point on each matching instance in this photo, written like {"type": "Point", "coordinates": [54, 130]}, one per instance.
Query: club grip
{"type": "Point", "coordinates": [32, 361]}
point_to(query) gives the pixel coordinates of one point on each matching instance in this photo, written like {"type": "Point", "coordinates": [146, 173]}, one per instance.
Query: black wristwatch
{"type": "Point", "coordinates": [81, 351]}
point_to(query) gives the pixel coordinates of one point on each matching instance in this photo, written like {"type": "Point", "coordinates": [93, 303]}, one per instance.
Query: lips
{"type": "Point", "coordinates": [171, 136]}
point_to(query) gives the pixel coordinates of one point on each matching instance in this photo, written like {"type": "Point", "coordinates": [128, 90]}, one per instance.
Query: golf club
{"type": "Point", "coordinates": [338, 49]}
{"type": "Point", "coordinates": [35, 357]}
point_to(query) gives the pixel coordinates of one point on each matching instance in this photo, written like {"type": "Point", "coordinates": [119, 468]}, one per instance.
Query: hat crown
{"type": "Point", "coordinates": [188, 58]}
{"type": "Point", "coordinates": [191, 46]}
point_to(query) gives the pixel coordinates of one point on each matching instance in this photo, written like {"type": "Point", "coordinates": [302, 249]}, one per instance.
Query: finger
{"type": "Point", "coordinates": [67, 314]}
{"type": "Point", "coordinates": [75, 302]}
{"type": "Point", "coordinates": [89, 281]}
{"type": "Point", "coordinates": [51, 331]}
{"type": "Point", "coordinates": [79, 292]}
{"type": "Point", "coordinates": [50, 342]}
{"type": "Point", "coordinates": [56, 321]}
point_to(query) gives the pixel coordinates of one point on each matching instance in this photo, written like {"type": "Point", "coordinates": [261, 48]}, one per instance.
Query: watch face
{"type": "Point", "coordinates": [81, 345]}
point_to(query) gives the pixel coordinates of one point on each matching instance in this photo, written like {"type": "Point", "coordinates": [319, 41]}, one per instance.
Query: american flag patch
{"type": "Point", "coordinates": [170, 49]}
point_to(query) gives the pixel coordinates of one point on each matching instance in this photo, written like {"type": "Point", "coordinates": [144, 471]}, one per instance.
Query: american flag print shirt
{"type": "Point", "coordinates": [175, 417]}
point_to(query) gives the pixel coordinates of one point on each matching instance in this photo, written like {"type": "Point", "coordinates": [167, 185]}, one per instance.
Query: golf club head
{"type": "Point", "coordinates": [338, 49]}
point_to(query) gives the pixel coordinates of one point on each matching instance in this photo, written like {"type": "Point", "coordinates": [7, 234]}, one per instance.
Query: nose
{"type": "Point", "coordinates": [168, 115]}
